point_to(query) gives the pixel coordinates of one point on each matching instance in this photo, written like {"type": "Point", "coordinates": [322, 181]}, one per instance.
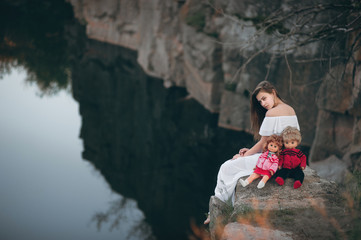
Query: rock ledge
{"type": "Point", "coordinates": [316, 210]}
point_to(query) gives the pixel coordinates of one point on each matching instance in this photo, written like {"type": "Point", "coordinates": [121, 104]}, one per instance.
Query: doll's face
{"type": "Point", "coordinates": [290, 143]}
{"type": "Point", "coordinates": [273, 147]}
{"type": "Point", "coordinates": [266, 100]}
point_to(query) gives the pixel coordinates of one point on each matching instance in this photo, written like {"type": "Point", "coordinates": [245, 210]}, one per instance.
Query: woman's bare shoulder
{"type": "Point", "coordinates": [281, 110]}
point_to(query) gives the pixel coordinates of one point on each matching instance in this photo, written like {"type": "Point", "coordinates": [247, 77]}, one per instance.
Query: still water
{"type": "Point", "coordinates": [90, 146]}
{"type": "Point", "coordinates": [47, 190]}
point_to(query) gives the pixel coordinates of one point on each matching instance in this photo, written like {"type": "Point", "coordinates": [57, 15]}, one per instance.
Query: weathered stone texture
{"type": "Point", "coordinates": [334, 135]}
{"type": "Point", "coordinates": [202, 65]}
{"type": "Point", "coordinates": [110, 21]}
{"type": "Point", "coordinates": [338, 125]}
{"type": "Point", "coordinates": [160, 50]}
{"type": "Point", "coordinates": [313, 189]}
{"type": "Point", "coordinates": [234, 113]}
{"type": "Point", "coordinates": [236, 231]}
{"type": "Point", "coordinates": [282, 211]}
{"type": "Point", "coordinates": [335, 93]}
{"type": "Point", "coordinates": [194, 44]}
{"type": "Point", "coordinates": [332, 168]}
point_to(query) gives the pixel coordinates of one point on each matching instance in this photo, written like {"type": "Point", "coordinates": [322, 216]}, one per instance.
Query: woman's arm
{"type": "Point", "coordinates": [257, 148]}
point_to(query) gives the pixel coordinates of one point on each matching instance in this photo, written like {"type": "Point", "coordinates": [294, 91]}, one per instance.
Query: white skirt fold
{"type": "Point", "coordinates": [229, 173]}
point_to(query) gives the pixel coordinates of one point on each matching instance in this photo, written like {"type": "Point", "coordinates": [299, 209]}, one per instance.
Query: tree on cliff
{"type": "Point", "coordinates": [296, 25]}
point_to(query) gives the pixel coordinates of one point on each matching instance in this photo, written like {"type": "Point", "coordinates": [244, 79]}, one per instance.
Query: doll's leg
{"type": "Point", "coordinates": [298, 175]}
{"type": "Point", "coordinates": [249, 179]}
{"type": "Point", "coordinates": [253, 177]}
{"type": "Point", "coordinates": [262, 183]}
{"type": "Point", "coordinates": [282, 176]}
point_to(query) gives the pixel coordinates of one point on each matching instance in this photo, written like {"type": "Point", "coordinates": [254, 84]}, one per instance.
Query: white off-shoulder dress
{"type": "Point", "coordinates": [232, 170]}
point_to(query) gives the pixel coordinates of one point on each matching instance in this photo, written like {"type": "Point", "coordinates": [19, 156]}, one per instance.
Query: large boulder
{"type": "Point", "coordinates": [338, 124]}
{"type": "Point", "coordinates": [334, 135]}
{"type": "Point", "coordinates": [316, 210]}
{"type": "Point", "coordinates": [332, 168]}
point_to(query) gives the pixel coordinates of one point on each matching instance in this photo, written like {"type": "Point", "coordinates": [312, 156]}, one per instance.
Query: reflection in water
{"type": "Point", "coordinates": [33, 35]}
{"type": "Point", "coordinates": [43, 38]}
{"type": "Point", "coordinates": [124, 212]}
{"type": "Point", "coordinates": [151, 144]}
{"type": "Point", "coordinates": [47, 191]}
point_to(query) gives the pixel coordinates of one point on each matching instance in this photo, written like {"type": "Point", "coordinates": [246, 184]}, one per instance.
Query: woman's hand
{"type": "Point", "coordinates": [243, 151]}
{"type": "Point", "coordinates": [236, 156]}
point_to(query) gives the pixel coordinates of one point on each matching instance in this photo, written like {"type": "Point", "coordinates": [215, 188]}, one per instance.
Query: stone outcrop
{"type": "Point", "coordinates": [196, 45]}
{"type": "Point", "coordinates": [332, 168]}
{"type": "Point", "coordinates": [316, 210]}
{"type": "Point", "coordinates": [339, 103]}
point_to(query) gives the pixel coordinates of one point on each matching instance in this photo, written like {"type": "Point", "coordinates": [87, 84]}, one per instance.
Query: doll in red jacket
{"type": "Point", "coordinates": [267, 163]}
{"type": "Point", "coordinates": [292, 161]}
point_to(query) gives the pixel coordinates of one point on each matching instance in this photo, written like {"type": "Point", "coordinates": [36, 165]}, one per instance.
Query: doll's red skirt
{"type": "Point", "coordinates": [262, 172]}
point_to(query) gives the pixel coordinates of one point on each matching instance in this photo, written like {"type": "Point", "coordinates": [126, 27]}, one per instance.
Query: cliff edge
{"type": "Point", "coordinates": [316, 210]}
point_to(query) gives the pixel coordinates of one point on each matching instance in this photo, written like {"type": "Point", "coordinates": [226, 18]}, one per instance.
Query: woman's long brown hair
{"type": "Point", "coordinates": [258, 112]}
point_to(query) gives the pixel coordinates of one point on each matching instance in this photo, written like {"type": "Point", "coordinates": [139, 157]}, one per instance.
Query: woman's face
{"type": "Point", "coordinates": [267, 100]}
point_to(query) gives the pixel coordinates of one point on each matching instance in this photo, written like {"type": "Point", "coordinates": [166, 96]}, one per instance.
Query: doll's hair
{"type": "Point", "coordinates": [291, 133]}
{"type": "Point", "coordinates": [275, 139]}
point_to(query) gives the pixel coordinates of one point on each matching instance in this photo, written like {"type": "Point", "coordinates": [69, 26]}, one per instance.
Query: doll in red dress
{"type": "Point", "coordinates": [292, 161]}
{"type": "Point", "coordinates": [267, 163]}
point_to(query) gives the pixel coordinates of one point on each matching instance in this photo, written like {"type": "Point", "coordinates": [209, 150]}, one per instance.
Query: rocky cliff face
{"type": "Point", "coordinates": [197, 45]}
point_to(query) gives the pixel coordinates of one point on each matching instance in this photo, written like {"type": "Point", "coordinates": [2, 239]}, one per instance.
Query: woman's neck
{"type": "Point", "coordinates": [278, 102]}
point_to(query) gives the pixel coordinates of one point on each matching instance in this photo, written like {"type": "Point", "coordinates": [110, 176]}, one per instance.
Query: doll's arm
{"type": "Point", "coordinates": [303, 161]}
{"type": "Point", "coordinates": [274, 167]}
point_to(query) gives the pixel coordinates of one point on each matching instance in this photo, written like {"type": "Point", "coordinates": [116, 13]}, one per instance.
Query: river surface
{"type": "Point", "coordinates": [90, 146]}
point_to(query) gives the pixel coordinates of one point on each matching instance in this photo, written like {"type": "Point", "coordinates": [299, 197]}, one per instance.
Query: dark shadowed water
{"type": "Point", "coordinates": [90, 146]}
